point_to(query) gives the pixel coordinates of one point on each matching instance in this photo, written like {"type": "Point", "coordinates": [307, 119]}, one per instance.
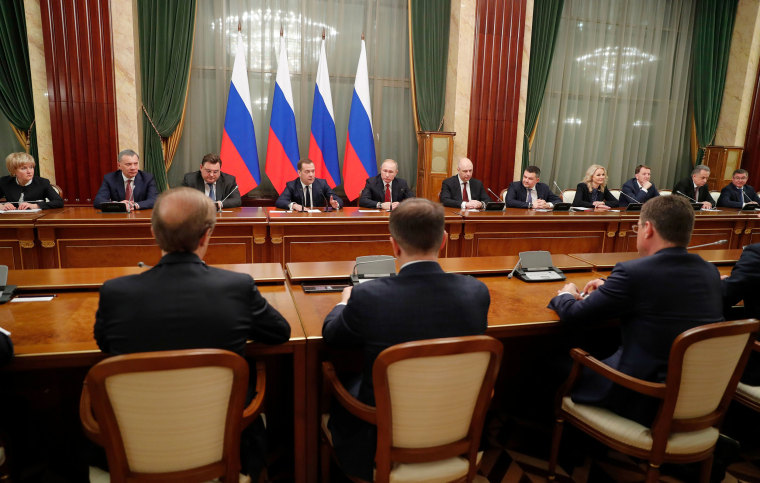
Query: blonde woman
{"type": "Point", "coordinates": [23, 190]}
{"type": "Point", "coordinates": [592, 192]}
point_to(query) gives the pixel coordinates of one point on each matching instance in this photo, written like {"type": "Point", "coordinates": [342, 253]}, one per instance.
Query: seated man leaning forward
{"type": "Point", "coordinates": [531, 193]}
{"type": "Point", "coordinates": [220, 187]}
{"type": "Point", "coordinates": [128, 184]}
{"type": "Point", "coordinates": [385, 191]}
{"type": "Point", "coordinates": [181, 303]}
{"type": "Point", "coordinates": [23, 190]}
{"type": "Point", "coordinates": [656, 297]}
{"type": "Point", "coordinates": [462, 191]}
{"type": "Point", "coordinates": [639, 188]}
{"type": "Point", "coordinates": [422, 302]}
{"type": "Point", "coordinates": [695, 187]}
{"type": "Point", "coordinates": [738, 193]}
{"type": "Point", "coordinates": [307, 191]}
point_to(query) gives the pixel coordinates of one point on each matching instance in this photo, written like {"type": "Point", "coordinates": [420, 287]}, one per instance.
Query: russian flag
{"type": "Point", "coordinates": [359, 161]}
{"type": "Point", "coordinates": [323, 145]}
{"type": "Point", "coordinates": [282, 146]}
{"type": "Point", "coordinates": [238, 153]}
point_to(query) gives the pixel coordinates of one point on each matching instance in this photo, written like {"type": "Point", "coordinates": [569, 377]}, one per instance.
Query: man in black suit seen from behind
{"type": "Point", "coordinates": [695, 187]}
{"type": "Point", "coordinates": [656, 297]}
{"type": "Point", "coordinates": [385, 191]}
{"type": "Point", "coordinates": [181, 303]}
{"type": "Point", "coordinates": [531, 193]}
{"type": "Point", "coordinates": [220, 187]}
{"type": "Point", "coordinates": [638, 189]}
{"type": "Point", "coordinates": [128, 184]}
{"type": "Point", "coordinates": [426, 303]}
{"type": "Point", "coordinates": [738, 193]}
{"type": "Point", "coordinates": [462, 191]}
{"type": "Point", "coordinates": [307, 191]}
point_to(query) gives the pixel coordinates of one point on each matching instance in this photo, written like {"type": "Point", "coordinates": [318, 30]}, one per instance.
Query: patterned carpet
{"type": "Point", "coordinates": [517, 452]}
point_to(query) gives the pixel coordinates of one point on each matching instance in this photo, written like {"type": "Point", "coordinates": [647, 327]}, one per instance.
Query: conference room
{"type": "Point", "coordinates": [310, 100]}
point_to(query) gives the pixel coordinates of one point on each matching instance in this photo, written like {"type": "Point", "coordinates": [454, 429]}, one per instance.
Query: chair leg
{"type": "Point", "coordinates": [705, 470]}
{"type": "Point", "coordinates": [556, 437]}
{"type": "Point", "coordinates": [653, 473]}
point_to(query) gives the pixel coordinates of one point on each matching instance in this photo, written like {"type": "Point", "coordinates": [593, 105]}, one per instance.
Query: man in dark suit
{"type": "Point", "coordinates": [128, 184]}
{"type": "Point", "coordinates": [656, 297]}
{"type": "Point", "coordinates": [638, 189]}
{"type": "Point", "coordinates": [744, 284]}
{"type": "Point", "coordinates": [738, 193]}
{"type": "Point", "coordinates": [461, 191]}
{"type": "Point", "coordinates": [221, 188]}
{"type": "Point", "coordinates": [531, 193]}
{"type": "Point", "coordinates": [695, 186]}
{"type": "Point", "coordinates": [385, 191]}
{"type": "Point", "coordinates": [182, 303]}
{"type": "Point", "coordinates": [307, 191]}
{"type": "Point", "coordinates": [422, 302]}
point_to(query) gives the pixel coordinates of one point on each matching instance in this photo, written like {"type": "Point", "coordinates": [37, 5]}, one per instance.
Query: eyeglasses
{"type": "Point", "coordinates": [209, 171]}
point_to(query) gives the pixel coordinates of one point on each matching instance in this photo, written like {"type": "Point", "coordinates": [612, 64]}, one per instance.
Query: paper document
{"type": "Point", "coordinates": [44, 298]}
{"type": "Point", "coordinates": [547, 275]}
{"type": "Point", "coordinates": [35, 210]}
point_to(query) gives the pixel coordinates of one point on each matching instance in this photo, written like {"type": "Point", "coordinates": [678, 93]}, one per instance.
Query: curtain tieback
{"type": "Point", "coordinates": [151, 121]}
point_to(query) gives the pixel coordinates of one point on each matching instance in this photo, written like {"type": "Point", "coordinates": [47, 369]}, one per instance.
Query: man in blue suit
{"type": "Point", "coordinates": [530, 193]}
{"type": "Point", "coordinates": [656, 297]}
{"type": "Point", "coordinates": [738, 193]}
{"type": "Point", "coordinates": [307, 191]}
{"type": "Point", "coordinates": [422, 302]}
{"type": "Point", "coordinates": [638, 189]}
{"type": "Point", "coordinates": [128, 185]}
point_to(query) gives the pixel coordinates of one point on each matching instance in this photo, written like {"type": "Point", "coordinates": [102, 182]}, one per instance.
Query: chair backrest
{"type": "Point", "coordinates": [665, 192]}
{"type": "Point", "coordinates": [431, 398]}
{"type": "Point", "coordinates": [615, 193]}
{"type": "Point", "coordinates": [704, 368]}
{"type": "Point", "coordinates": [568, 196]}
{"type": "Point", "coordinates": [57, 190]}
{"type": "Point", "coordinates": [503, 195]}
{"type": "Point", "coordinates": [715, 195]}
{"type": "Point", "coordinates": [168, 412]}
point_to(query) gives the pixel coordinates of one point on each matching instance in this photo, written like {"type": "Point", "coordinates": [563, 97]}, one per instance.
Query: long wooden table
{"type": "Point", "coordinates": [59, 333]}
{"type": "Point", "coordinates": [17, 247]}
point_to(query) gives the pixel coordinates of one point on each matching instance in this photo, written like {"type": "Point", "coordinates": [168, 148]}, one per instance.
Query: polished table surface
{"type": "Point", "coordinates": [306, 271]}
{"type": "Point", "coordinates": [93, 278]}
{"type": "Point", "coordinates": [605, 261]}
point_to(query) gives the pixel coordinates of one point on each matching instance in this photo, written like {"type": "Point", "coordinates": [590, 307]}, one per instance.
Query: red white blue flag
{"type": "Point", "coordinates": [323, 145]}
{"type": "Point", "coordinates": [282, 146]}
{"type": "Point", "coordinates": [238, 152]}
{"type": "Point", "coordinates": [359, 162]}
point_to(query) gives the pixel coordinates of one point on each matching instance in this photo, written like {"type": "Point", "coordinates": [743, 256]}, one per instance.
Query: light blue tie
{"type": "Point", "coordinates": [211, 193]}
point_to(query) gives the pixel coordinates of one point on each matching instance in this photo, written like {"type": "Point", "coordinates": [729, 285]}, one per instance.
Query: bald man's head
{"type": "Point", "coordinates": [464, 168]}
{"type": "Point", "coordinates": [181, 216]}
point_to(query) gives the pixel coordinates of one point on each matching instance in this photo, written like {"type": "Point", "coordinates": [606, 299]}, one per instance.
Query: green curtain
{"type": "Point", "coordinates": [430, 48]}
{"type": "Point", "coordinates": [166, 44]}
{"type": "Point", "coordinates": [546, 17]}
{"type": "Point", "coordinates": [713, 27]}
{"type": "Point", "coordinates": [16, 101]}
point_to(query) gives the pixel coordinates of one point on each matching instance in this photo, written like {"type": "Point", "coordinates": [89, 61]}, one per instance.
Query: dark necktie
{"type": "Point", "coordinates": [211, 193]}
{"type": "Point", "coordinates": [387, 193]}
{"type": "Point", "coordinates": [128, 190]}
{"type": "Point", "coordinates": [530, 196]}
{"type": "Point", "coordinates": [696, 194]}
{"type": "Point", "coordinates": [307, 199]}
{"type": "Point", "coordinates": [465, 198]}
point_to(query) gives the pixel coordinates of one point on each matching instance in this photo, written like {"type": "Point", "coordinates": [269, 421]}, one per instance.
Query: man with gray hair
{"type": "Point", "coordinates": [695, 187]}
{"type": "Point", "coordinates": [128, 184]}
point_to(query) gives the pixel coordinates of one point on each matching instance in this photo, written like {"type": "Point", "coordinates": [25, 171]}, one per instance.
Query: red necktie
{"type": "Point", "coordinates": [465, 198]}
{"type": "Point", "coordinates": [387, 193]}
{"type": "Point", "coordinates": [129, 190]}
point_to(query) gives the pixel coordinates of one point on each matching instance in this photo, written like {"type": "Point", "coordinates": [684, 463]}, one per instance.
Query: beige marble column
{"type": "Point", "coordinates": [523, 89]}
{"type": "Point", "coordinates": [126, 55]}
{"type": "Point", "coordinates": [39, 88]}
{"type": "Point", "coordinates": [740, 76]}
{"type": "Point", "coordinates": [456, 115]}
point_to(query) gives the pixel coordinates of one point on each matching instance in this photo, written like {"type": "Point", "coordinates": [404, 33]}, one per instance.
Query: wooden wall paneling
{"type": "Point", "coordinates": [81, 93]}
{"type": "Point", "coordinates": [495, 98]}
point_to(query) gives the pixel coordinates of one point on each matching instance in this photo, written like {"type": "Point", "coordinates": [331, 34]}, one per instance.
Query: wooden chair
{"type": "Point", "coordinates": [704, 367]}
{"type": "Point", "coordinates": [568, 196]}
{"type": "Point", "coordinates": [746, 394]}
{"type": "Point", "coordinates": [715, 195]}
{"type": "Point", "coordinates": [503, 195]}
{"type": "Point", "coordinates": [616, 194]}
{"type": "Point", "coordinates": [170, 415]}
{"type": "Point", "coordinates": [665, 192]}
{"type": "Point", "coordinates": [57, 190]}
{"type": "Point", "coordinates": [431, 399]}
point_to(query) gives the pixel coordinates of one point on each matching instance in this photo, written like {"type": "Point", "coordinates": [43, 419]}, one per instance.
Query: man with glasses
{"type": "Point", "coordinates": [738, 194]}
{"type": "Point", "coordinates": [220, 187]}
{"type": "Point", "coordinates": [656, 297]}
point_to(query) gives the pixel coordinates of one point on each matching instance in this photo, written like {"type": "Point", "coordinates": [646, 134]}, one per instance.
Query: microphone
{"type": "Point", "coordinates": [719, 242]}
{"type": "Point", "coordinates": [630, 197]}
{"type": "Point", "coordinates": [515, 268]}
{"type": "Point", "coordinates": [143, 265]}
{"type": "Point", "coordinates": [750, 200]}
{"type": "Point", "coordinates": [328, 208]}
{"type": "Point", "coordinates": [692, 199]}
{"type": "Point", "coordinates": [228, 195]}
{"type": "Point", "coordinates": [493, 194]}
